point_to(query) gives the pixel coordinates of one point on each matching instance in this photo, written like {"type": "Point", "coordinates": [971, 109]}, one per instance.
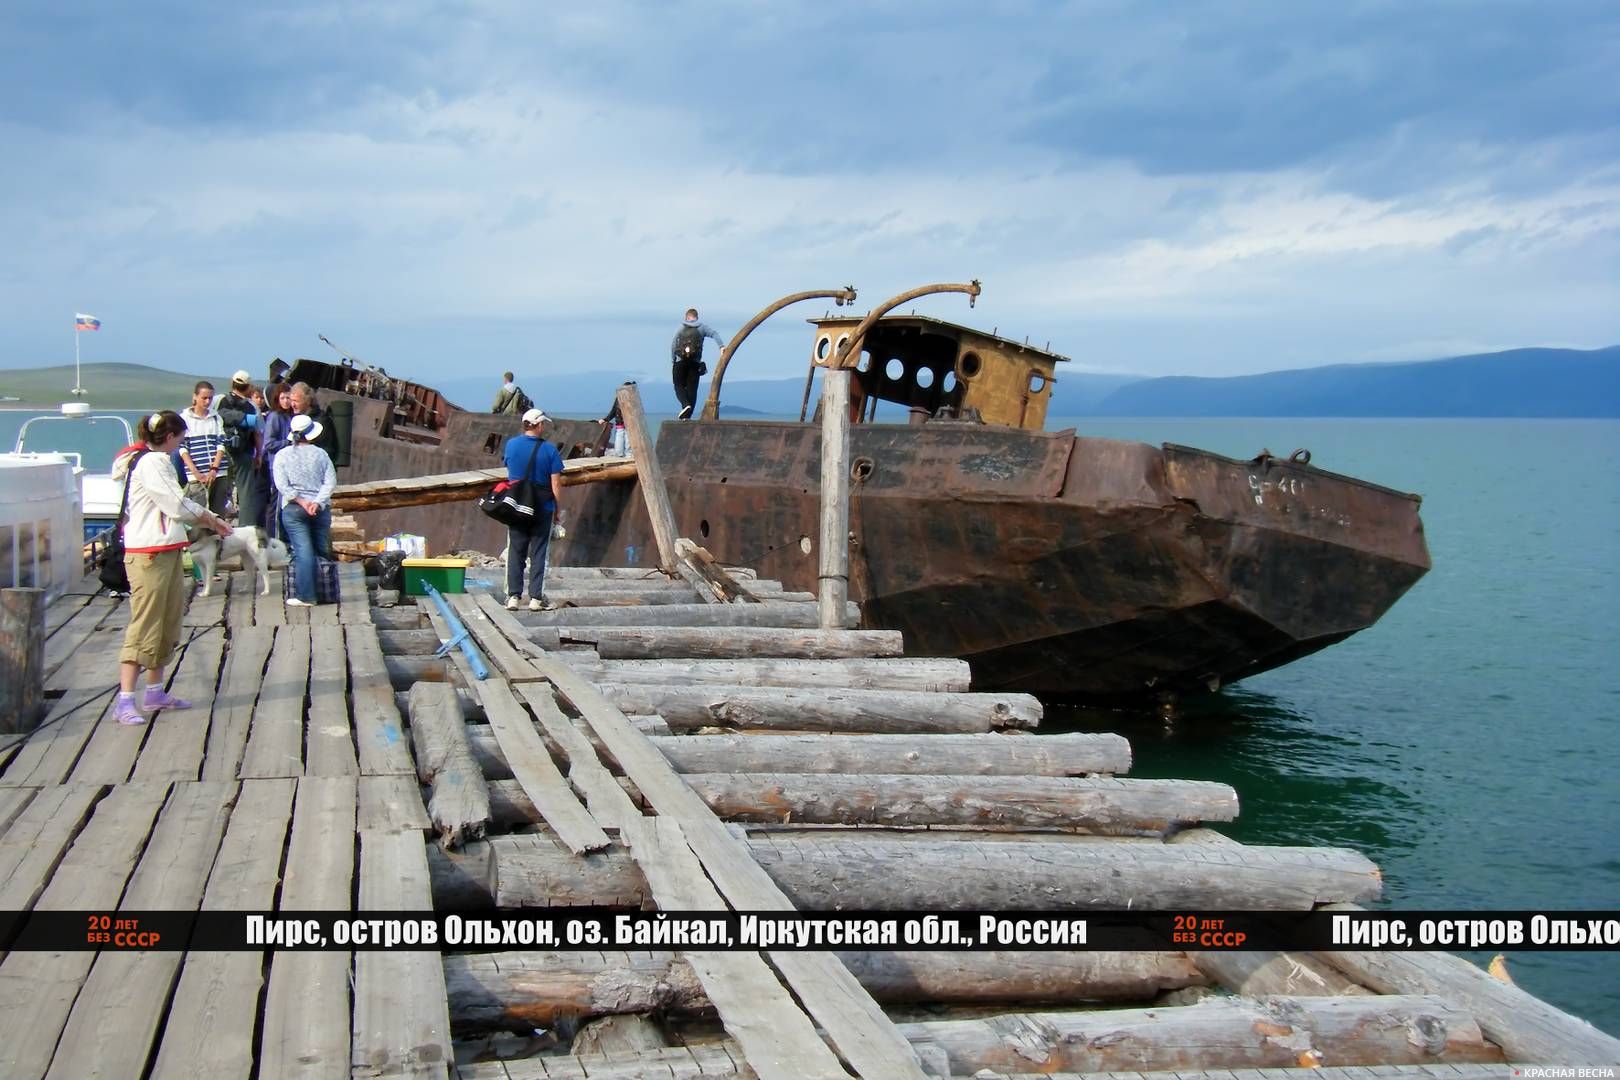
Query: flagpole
{"type": "Point", "coordinates": [77, 386]}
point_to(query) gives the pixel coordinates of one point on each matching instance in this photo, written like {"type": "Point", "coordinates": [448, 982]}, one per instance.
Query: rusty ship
{"type": "Point", "coordinates": [1054, 562]}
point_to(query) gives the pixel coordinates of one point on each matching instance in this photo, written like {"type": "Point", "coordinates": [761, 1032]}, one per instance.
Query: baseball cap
{"type": "Point", "coordinates": [533, 417]}
{"type": "Point", "coordinates": [306, 427]}
{"type": "Point", "coordinates": [241, 378]}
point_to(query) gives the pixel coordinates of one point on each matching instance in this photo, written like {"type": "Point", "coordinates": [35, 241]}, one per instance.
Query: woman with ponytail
{"type": "Point", "coordinates": [154, 538]}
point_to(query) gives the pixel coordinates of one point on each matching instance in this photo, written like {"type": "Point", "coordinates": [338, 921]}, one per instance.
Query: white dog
{"type": "Point", "coordinates": [248, 543]}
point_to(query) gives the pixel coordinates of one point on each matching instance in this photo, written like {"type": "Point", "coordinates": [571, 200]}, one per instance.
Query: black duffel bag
{"type": "Point", "coordinates": [515, 503]}
{"type": "Point", "coordinates": [112, 572]}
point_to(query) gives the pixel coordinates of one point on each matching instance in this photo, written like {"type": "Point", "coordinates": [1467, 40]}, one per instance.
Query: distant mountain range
{"type": "Point", "coordinates": [1516, 383]}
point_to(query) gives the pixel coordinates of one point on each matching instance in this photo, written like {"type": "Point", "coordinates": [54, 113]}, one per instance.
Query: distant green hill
{"type": "Point", "coordinates": [111, 386]}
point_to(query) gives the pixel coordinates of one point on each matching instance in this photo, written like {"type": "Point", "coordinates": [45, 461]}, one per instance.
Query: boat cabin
{"type": "Point", "coordinates": [940, 370]}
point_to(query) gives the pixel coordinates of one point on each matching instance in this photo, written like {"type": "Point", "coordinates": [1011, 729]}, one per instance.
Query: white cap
{"type": "Point", "coordinates": [533, 417]}
{"type": "Point", "coordinates": [306, 427]}
{"type": "Point", "coordinates": [241, 378]}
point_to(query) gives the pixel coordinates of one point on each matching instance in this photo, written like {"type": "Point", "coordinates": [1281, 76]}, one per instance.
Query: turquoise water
{"type": "Point", "coordinates": [1469, 743]}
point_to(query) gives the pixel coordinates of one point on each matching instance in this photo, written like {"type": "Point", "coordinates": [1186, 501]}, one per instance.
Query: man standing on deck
{"type": "Point", "coordinates": [510, 398]}
{"type": "Point", "coordinates": [686, 356]}
{"type": "Point", "coordinates": [241, 420]}
{"type": "Point", "coordinates": [530, 457]}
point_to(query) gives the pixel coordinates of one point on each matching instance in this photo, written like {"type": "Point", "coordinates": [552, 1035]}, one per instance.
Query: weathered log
{"type": "Point", "coordinates": [832, 546]}
{"type": "Point", "coordinates": [795, 708]}
{"type": "Point", "coordinates": [649, 476]}
{"type": "Point", "coordinates": [568, 598]}
{"type": "Point", "coordinates": [1254, 973]}
{"type": "Point", "coordinates": [791, 616]}
{"type": "Point", "coordinates": [404, 617]}
{"type": "Point", "coordinates": [406, 671]}
{"type": "Point", "coordinates": [899, 673]}
{"type": "Point", "coordinates": [1277, 1032]}
{"type": "Point", "coordinates": [730, 643]}
{"type": "Point", "coordinates": [22, 659]}
{"type": "Point", "coordinates": [1101, 806]}
{"type": "Point", "coordinates": [465, 485]}
{"type": "Point", "coordinates": [459, 803]}
{"type": "Point", "coordinates": [635, 573]}
{"type": "Point", "coordinates": [412, 642]}
{"type": "Point", "coordinates": [538, 988]}
{"type": "Point", "coordinates": [1525, 1027]}
{"type": "Point", "coordinates": [1073, 754]}
{"type": "Point", "coordinates": [963, 875]}
{"type": "Point", "coordinates": [612, 1036]}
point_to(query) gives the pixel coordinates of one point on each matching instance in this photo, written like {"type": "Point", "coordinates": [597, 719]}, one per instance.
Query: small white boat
{"type": "Point", "coordinates": [50, 504]}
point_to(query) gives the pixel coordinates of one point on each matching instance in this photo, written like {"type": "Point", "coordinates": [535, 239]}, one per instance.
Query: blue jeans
{"type": "Point", "coordinates": [528, 546]}
{"type": "Point", "coordinates": [307, 536]}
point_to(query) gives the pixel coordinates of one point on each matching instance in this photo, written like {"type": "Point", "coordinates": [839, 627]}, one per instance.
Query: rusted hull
{"type": "Point", "coordinates": [1069, 567]}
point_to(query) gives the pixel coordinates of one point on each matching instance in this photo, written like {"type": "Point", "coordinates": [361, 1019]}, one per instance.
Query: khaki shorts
{"type": "Point", "coordinates": [157, 600]}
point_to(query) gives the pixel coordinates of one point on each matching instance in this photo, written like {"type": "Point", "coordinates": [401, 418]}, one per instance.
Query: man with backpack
{"type": "Point", "coordinates": [511, 398]}
{"type": "Point", "coordinates": [686, 356]}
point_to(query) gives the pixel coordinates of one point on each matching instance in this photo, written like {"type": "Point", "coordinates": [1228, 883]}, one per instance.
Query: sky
{"type": "Point", "coordinates": [448, 189]}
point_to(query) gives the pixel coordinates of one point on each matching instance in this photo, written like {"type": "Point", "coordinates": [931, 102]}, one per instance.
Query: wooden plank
{"type": "Point", "coordinates": [110, 754]}
{"type": "Point", "coordinates": [275, 745]}
{"type": "Point", "coordinates": [62, 610]}
{"type": "Point", "coordinates": [608, 803]}
{"type": "Point", "coordinates": [536, 772]}
{"type": "Point", "coordinates": [30, 849]}
{"type": "Point", "coordinates": [864, 1036]}
{"type": "Point", "coordinates": [13, 801]}
{"type": "Point", "coordinates": [832, 546]}
{"type": "Point", "coordinates": [203, 611]}
{"type": "Point", "coordinates": [776, 1037]}
{"type": "Point", "coordinates": [175, 749]}
{"type": "Point", "coordinates": [51, 752]}
{"type": "Point", "coordinates": [211, 1021]}
{"type": "Point", "coordinates": [71, 636]}
{"type": "Point", "coordinates": [307, 1009]}
{"type": "Point", "coordinates": [401, 1014]}
{"type": "Point", "coordinates": [93, 661]}
{"type": "Point", "coordinates": [649, 476]}
{"type": "Point", "coordinates": [378, 733]}
{"type": "Point", "coordinates": [392, 803]}
{"type": "Point", "coordinates": [354, 605]}
{"type": "Point", "coordinates": [37, 989]}
{"type": "Point", "coordinates": [329, 740]}
{"type": "Point", "coordinates": [501, 653]}
{"type": "Point", "coordinates": [239, 682]}
{"type": "Point", "coordinates": [119, 1011]}
{"type": "Point", "coordinates": [239, 608]}
{"type": "Point", "coordinates": [270, 609]}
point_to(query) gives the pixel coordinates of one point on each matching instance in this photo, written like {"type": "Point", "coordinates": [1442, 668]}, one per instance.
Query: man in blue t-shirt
{"type": "Point", "coordinates": [529, 457]}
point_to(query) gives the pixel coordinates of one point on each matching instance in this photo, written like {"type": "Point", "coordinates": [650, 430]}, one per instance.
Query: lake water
{"type": "Point", "coordinates": [1469, 743]}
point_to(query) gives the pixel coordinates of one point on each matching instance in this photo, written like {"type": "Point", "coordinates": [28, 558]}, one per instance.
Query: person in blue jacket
{"type": "Point", "coordinates": [530, 457]}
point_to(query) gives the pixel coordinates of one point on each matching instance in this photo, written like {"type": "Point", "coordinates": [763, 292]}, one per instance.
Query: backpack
{"type": "Point", "coordinates": [524, 401]}
{"type": "Point", "coordinates": [689, 343]}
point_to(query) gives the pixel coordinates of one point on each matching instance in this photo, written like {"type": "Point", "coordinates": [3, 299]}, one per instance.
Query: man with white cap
{"type": "Point", "coordinates": [241, 422]}
{"type": "Point", "coordinates": [530, 457]}
{"type": "Point", "coordinates": [304, 478]}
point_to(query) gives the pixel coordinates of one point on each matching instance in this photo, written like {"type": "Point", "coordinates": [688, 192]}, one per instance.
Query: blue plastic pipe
{"type": "Point", "coordinates": [458, 635]}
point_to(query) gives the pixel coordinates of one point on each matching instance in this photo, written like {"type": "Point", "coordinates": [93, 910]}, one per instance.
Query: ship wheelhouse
{"type": "Point", "coordinates": [939, 370]}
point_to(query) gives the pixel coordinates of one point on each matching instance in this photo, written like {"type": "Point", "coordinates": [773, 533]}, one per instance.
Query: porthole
{"type": "Point", "coordinates": [895, 369]}
{"type": "Point", "coordinates": [925, 377]}
{"type": "Point", "coordinates": [865, 362]}
{"type": "Point", "coordinates": [1037, 382]}
{"type": "Point", "coordinates": [703, 527]}
{"type": "Point", "coordinates": [838, 346]}
{"type": "Point", "coordinates": [969, 366]}
{"type": "Point", "coordinates": [823, 347]}
{"type": "Point", "coordinates": [950, 382]}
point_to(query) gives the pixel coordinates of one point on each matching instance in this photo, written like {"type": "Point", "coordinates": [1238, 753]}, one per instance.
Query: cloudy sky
{"type": "Point", "coordinates": [1155, 188]}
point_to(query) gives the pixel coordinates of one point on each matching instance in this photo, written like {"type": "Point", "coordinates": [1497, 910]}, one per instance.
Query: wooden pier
{"type": "Point", "coordinates": [681, 738]}
{"type": "Point", "coordinates": [811, 770]}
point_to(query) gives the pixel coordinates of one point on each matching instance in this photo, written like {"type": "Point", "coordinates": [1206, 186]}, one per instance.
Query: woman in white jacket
{"type": "Point", "coordinates": [154, 538]}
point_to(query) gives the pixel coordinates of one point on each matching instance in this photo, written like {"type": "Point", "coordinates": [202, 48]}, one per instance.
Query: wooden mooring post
{"type": "Point", "coordinates": [832, 586]}
{"type": "Point", "coordinates": [22, 659]}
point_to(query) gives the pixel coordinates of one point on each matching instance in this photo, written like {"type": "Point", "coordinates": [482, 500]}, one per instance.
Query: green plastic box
{"type": "Point", "coordinates": [446, 575]}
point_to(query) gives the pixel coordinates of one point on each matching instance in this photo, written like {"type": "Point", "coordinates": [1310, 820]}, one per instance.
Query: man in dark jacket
{"type": "Point", "coordinates": [686, 358]}
{"type": "Point", "coordinates": [241, 422]}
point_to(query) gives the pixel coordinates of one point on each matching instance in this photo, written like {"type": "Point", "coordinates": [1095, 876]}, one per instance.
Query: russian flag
{"type": "Point", "coordinates": [82, 321]}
